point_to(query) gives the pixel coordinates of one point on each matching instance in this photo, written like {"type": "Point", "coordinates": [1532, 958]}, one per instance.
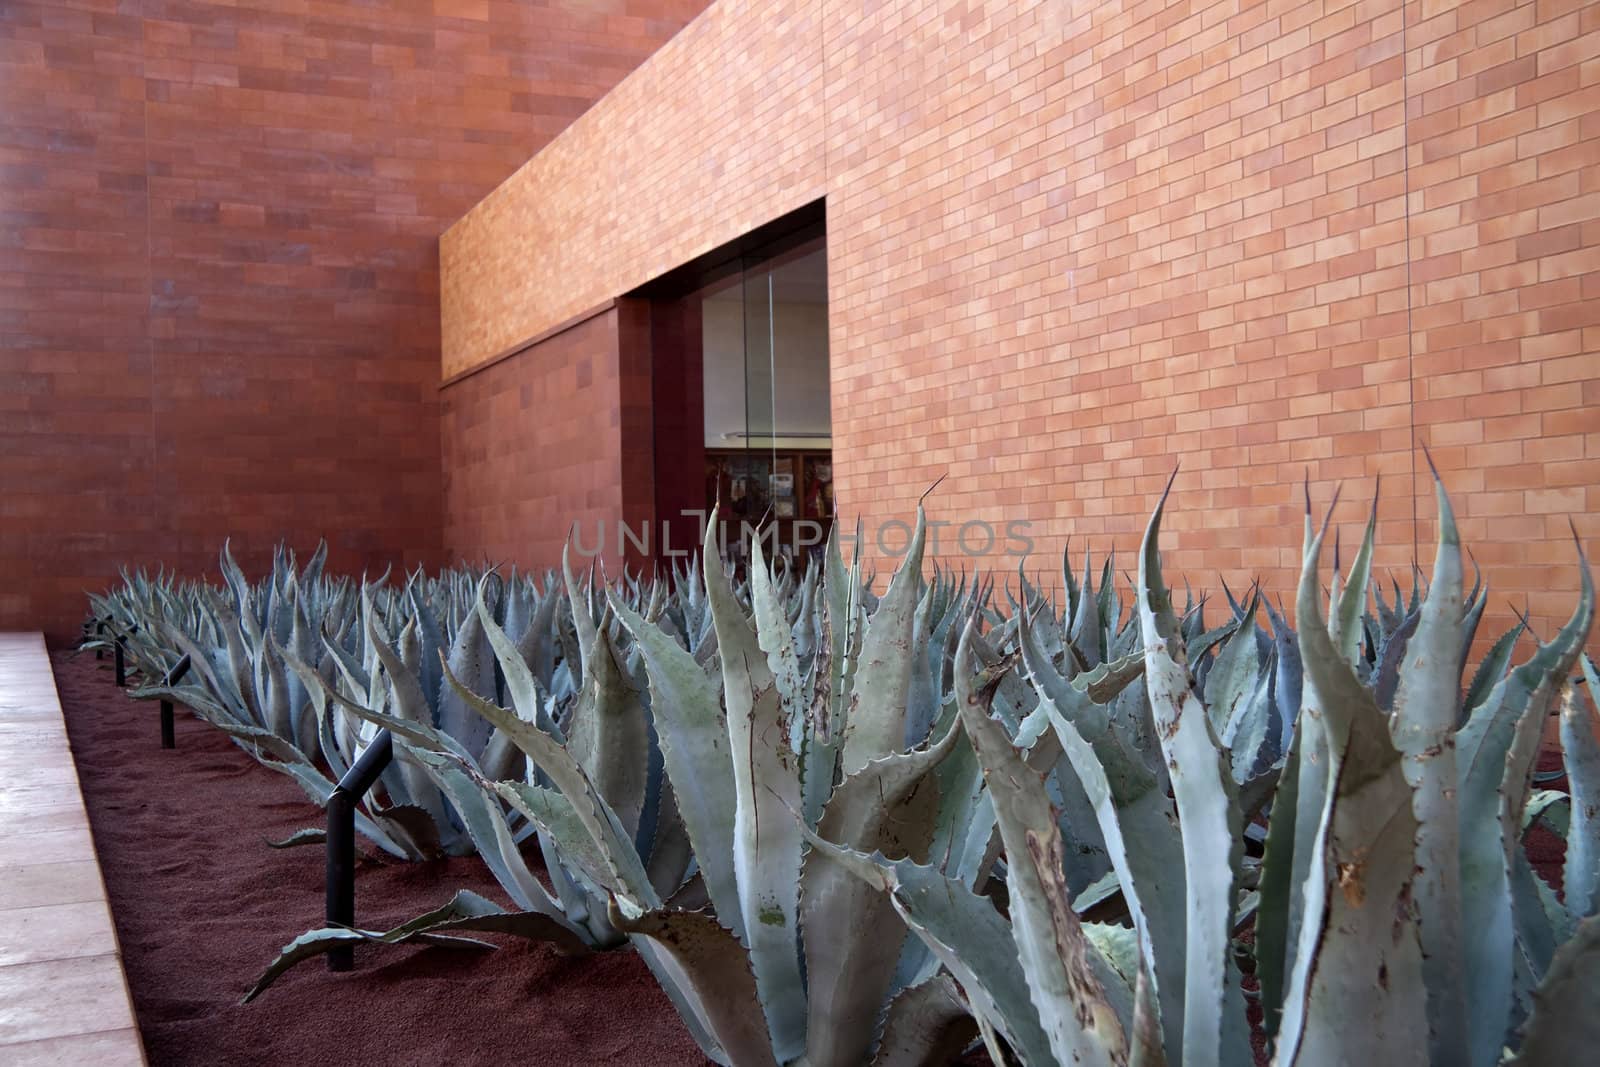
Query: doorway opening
{"type": "Point", "coordinates": [740, 408]}
{"type": "Point", "coordinates": [768, 430]}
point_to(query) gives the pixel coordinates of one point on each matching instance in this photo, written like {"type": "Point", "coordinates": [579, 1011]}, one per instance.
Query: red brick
{"type": "Point", "coordinates": [228, 313]}
{"type": "Point", "coordinates": [1195, 188]}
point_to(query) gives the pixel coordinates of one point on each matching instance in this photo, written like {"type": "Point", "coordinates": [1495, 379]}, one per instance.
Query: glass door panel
{"type": "Point", "coordinates": [768, 432]}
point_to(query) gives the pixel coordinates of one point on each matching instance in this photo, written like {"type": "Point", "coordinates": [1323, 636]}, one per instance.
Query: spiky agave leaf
{"type": "Point", "coordinates": [693, 734]}
{"type": "Point", "coordinates": [1078, 1020]}
{"type": "Point", "coordinates": [767, 788]}
{"type": "Point", "coordinates": [1355, 993]}
{"type": "Point", "coordinates": [708, 971]}
{"type": "Point", "coordinates": [1581, 756]}
{"type": "Point", "coordinates": [472, 661]}
{"type": "Point", "coordinates": [849, 932]}
{"type": "Point", "coordinates": [775, 635]}
{"type": "Point", "coordinates": [926, 1023]}
{"type": "Point", "coordinates": [466, 911]}
{"type": "Point", "coordinates": [1137, 820]}
{"type": "Point", "coordinates": [609, 732]}
{"type": "Point", "coordinates": [1565, 1026]}
{"type": "Point", "coordinates": [1495, 750]}
{"type": "Point", "coordinates": [1491, 669]}
{"type": "Point", "coordinates": [409, 703]}
{"type": "Point", "coordinates": [967, 935]}
{"type": "Point", "coordinates": [1424, 724]}
{"type": "Point", "coordinates": [1236, 692]}
{"type": "Point", "coordinates": [875, 723]}
{"type": "Point", "coordinates": [1344, 627]}
{"type": "Point", "coordinates": [620, 870]}
{"type": "Point", "coordinates": [1208, 815]}
{"type": "Point", "coordinates": [1301, 710]}
{"type": "Point", "coordinates": [1276, 888]}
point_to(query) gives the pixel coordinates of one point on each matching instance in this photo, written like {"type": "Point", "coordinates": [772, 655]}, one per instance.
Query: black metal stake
{"type": "Point", "coordinates": [341, 888]}
{"type": "Point", "coordinates": [341, 862]}
{"type": "Point", "coordinates": [122, 677]}
{"type": "Point", "coordinates": [100, 629]}
{"type": "Point", "coordinates": [169, 738]}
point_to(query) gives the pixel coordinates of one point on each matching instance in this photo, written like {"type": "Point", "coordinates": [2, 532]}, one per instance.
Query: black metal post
{"type": "Point", "coordinates": [341, 873]}
{"type": "Point", "coordinates": [169, 738]}
{"type": "Point", "coordinates": [341, 860]}
{"type": "Point", "coordinates": [122, 676]}
{"type": "Point", "coordinates": [100, 629]}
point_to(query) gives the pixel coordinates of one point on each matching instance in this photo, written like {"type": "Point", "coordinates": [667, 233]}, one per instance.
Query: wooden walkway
{"type": "Point", "coordinates": [63, 997]}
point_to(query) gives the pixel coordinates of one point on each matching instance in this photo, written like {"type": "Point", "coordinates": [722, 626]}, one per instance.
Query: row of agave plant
{"type": "Point", "coordinates": [840, 828]}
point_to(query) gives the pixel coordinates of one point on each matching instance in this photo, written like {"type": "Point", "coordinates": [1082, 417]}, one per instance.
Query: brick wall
{"type": "Point", "coordinates": [532, 447]}
{"type": "Point", "coordinates": [719, 133]}
{"type": "Point", "coordinates": [219, 272]}
{"type": "Point", "coordinates": [1074, 243]}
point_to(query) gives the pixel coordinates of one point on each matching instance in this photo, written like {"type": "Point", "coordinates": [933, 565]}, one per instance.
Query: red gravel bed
{"type": "Point", "coordinates": [201, 905]}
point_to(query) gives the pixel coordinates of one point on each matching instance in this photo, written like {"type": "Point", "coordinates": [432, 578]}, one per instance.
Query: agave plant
{"type": "Point", "coordinates": [123, 615]}
{"type": "Point", "coordinates": [278, 666]}
{"type": "Point", "coordinates": [771, 708]}
{"type": "Point", "coordinates": [765, 788]}
{"type": "Point", "coordinates": [601, 740]}
{"type": "Point", "coordinates": [1392, 835]}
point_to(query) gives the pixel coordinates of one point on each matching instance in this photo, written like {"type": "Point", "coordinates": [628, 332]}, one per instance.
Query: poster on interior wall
{"type": "Point", "coordinates": [738, 485]}
{"type": "Point", "coordinates": [783, 484]}
{"type": "Point", "coordinates": [783, 507]}
{"type": "Point", "coordinates": [818, 487]}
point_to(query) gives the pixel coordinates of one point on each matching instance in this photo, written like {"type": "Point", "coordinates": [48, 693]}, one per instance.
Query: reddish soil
{"type": "Point", "coordinates": [201, 906]}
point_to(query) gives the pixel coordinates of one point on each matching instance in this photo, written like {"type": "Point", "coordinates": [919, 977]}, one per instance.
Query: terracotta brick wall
{"type": "Point", "coordinates": [532, 445]}
{"type": "Point", "coordinates": [218, 268]}
{"type": "Point", "coordinates": [1505, 173]}
{"type": "Point", "coordinates": [77, 465]}
{"type": "Point", "coordinates": [721, 131]}
{"type": "Point", "coordinates": [1074, 243]}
